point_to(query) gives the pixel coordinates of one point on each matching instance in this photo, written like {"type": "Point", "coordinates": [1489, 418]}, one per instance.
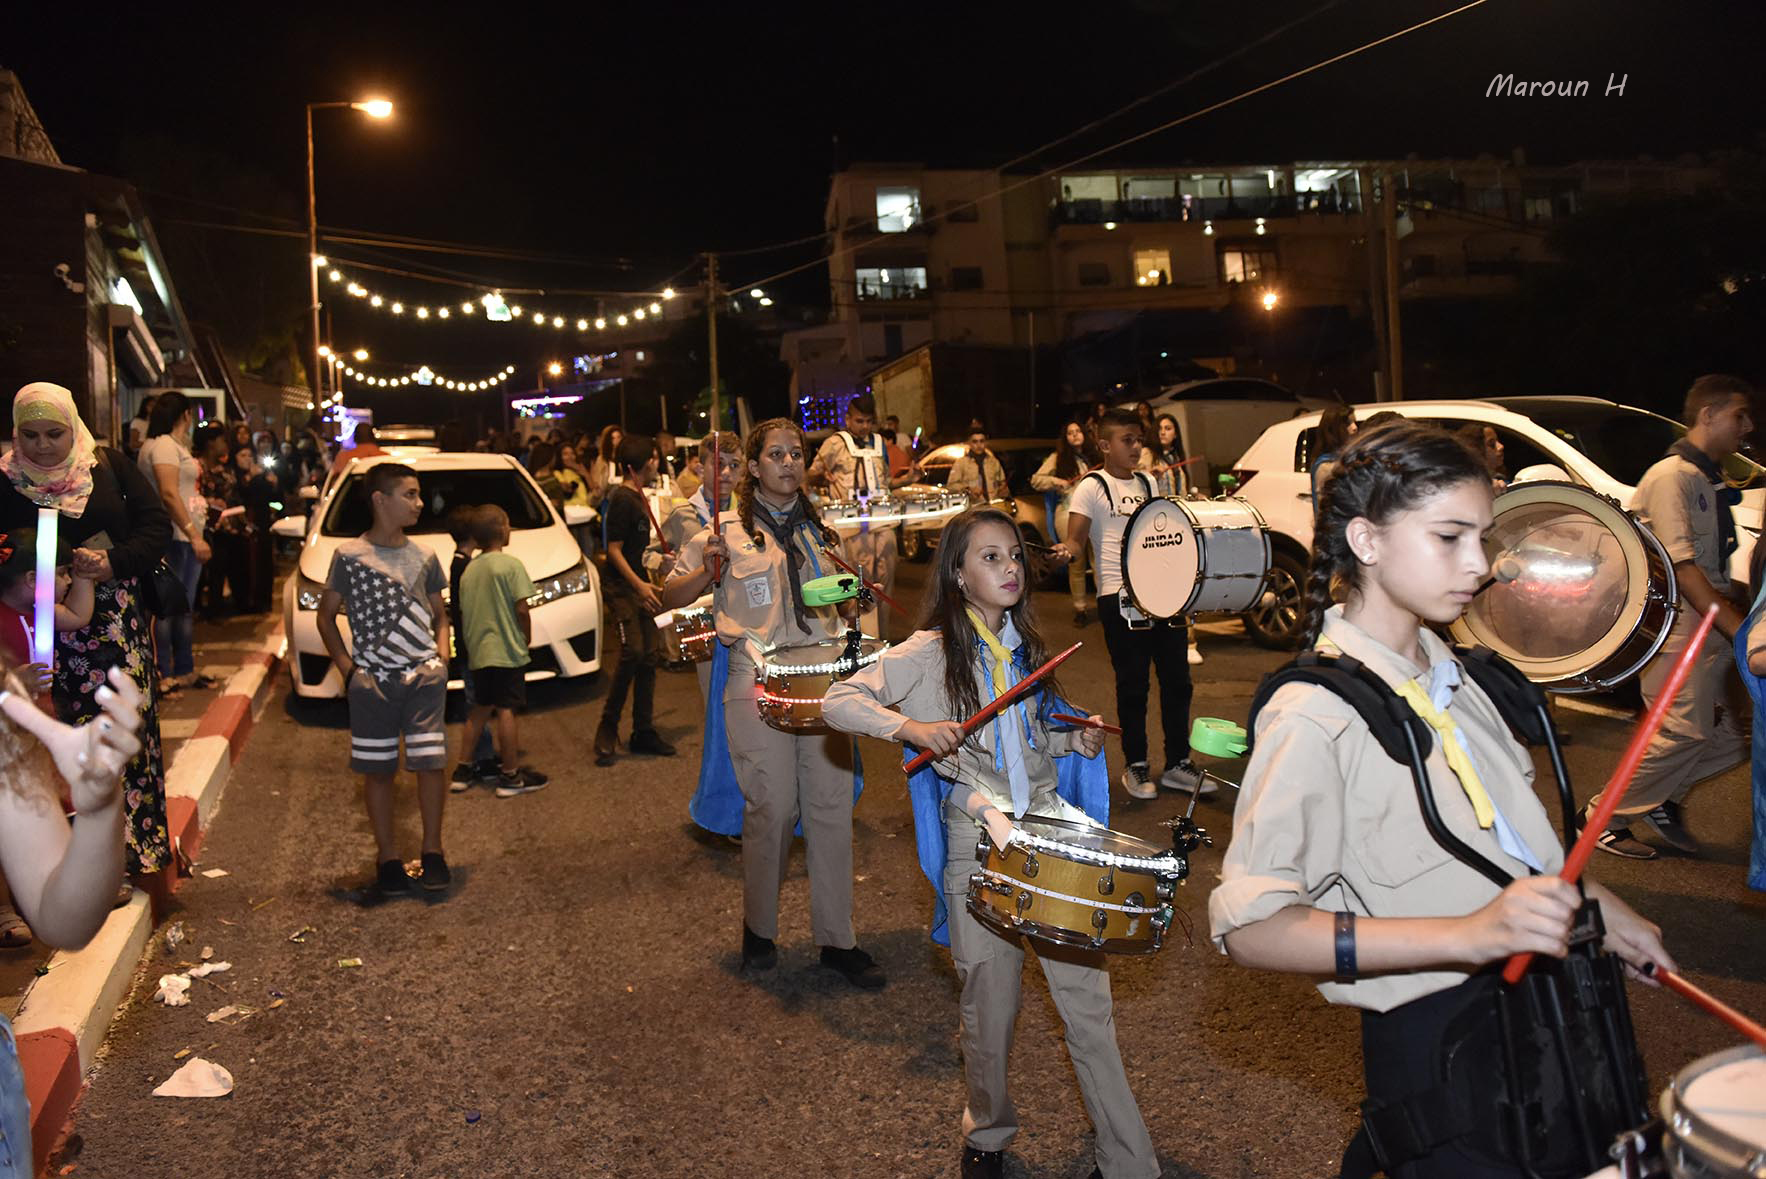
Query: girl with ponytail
{"type": "Point", "coordinates": [1332, 871]}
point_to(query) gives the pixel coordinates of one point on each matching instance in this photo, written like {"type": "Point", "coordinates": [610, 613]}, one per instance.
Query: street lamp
{"type": "Point", "coordinates": [374, 108]}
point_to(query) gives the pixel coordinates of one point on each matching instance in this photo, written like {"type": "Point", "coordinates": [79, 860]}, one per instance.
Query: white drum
{"type": "Point", "coordinates": [1194, 556]}
{"type": "Point", "coordinates": [1714, 1117]}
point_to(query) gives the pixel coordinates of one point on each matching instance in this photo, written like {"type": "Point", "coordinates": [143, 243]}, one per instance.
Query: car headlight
{"type": "Point", "coordinates": [307, 592]}
{"type": "Point", "coordinates": [574, 580]}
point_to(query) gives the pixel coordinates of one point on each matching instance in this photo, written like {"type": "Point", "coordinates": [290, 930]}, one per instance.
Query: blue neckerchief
{"type": "Point", "coordinates": [1082, 781]}
{"type": "Point", "coordinates": [1020, 668]}
{"type": "Point", "coordinates": [1757, 692]}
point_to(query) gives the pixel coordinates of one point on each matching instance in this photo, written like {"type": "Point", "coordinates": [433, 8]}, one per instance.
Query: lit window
{"type": "Point", "coordinates": [892, 282]}
{"type": "Point", "coordinates": [898, 209]}
{"type": "Point", "coordinates": [1244, 264]}
{"type": "Point", "coordinates": [1152, 268]}
{"type": "Point", "coordinates": [640, 354]}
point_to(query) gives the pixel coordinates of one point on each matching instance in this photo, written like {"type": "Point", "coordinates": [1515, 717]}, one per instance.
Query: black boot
{"type": "Point", "coordinates": [983, 1164]}
{"type": "Point", "coordinates": [651, 742]}
{"type": "Point", "coordinates": [758, 953]}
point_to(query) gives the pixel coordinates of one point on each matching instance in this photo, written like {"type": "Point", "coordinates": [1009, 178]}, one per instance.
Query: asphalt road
{"type": "Point", "coordinates": [572, 1006]}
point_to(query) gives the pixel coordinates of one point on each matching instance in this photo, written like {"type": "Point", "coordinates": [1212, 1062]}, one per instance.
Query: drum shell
{"type": "Point", "coordinates": [691, 635]}
{"type": "Point", "coordinates": [1228, 546]}
{"type": "Point", "coordinates": [790, 697]}
{"type": "Point", "coordinates": [1694, 1145]}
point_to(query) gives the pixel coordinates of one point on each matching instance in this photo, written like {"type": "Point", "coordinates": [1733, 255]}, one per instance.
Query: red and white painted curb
{"type": "Point", "coordinates": [66, 1013]}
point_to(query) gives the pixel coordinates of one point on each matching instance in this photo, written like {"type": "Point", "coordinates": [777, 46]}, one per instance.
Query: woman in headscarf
{"type": "Point", "coordinates": [113, 519]}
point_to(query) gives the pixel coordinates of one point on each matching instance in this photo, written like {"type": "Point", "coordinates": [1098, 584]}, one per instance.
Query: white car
{"type": "Point", "coordinates": [1589, 441]}
{"type": "Point", "coordinates": [566, 610]}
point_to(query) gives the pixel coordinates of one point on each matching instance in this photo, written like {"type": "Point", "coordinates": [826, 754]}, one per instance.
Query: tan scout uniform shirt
{"type": "Point", "coordinates": [965, 475]}
{"type": "Point", "coordinates": [851, 468]}
{"type": "Point", "coordinates": [1326, 819]}
{"type": "Point", "coordinates": [754, 611]}
{"type": "Point", "coordinates": [1677, 503]}
{"type": "Point", "coordinates": [907, 683]}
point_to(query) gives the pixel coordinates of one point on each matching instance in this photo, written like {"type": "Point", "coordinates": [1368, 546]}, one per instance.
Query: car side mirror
{"type": "Point", "coordinates": [292, 527]}
{"type": "Point", "coordinates": [577, 514]}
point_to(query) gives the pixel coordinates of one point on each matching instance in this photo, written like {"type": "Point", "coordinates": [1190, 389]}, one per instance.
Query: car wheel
{"type": "Point", "coordinates": [1276, 619]}
{"type": "Point", "coordinates": [1035, 558]}
{"type": "Point", "coordinates": [913, 545]}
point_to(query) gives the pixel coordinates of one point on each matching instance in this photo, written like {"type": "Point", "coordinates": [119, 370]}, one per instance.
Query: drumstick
{"type": "Point", "coordinates": [1705, 1001]}
{"type": "Point", "coordinates": [1615, 787]}
{"type": "Point", "coordinates": [717, 505]}
{"type": "Point", "coordinates": [1085, 722]}
{"type": "Point", "coordinates": [650, 512]}
{"type": "Point", "coordinates": [870, 585]}
{"type": "Point", "coordinates": [1004, 698]}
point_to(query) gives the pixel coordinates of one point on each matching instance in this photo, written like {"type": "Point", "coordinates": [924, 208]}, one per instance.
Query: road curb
{"type": "Point", "coordinates": [64, 1016]}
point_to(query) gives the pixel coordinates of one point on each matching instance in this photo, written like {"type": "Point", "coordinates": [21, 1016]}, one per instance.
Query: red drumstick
{"type": "Point", "coordinates": [1616, 785]}
{"type": "Point", "coordinates": [1705, 1001]}
{"type": "Point", "coordinates": [717, 503]}
{"type": "Point", "coordinates": [650, 512]}
{"type": "Point", "coordinates": [1085, 722]}
{"type": "Point", "coordinates": [870, 585]}
{"type": "Point", "coordinates": [1004, 698]}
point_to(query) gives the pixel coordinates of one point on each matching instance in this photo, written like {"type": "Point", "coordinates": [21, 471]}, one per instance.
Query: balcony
{"type": "Point", "coordinates": [1167, 209]}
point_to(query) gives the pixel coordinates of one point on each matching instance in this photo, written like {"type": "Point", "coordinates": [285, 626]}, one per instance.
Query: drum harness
{"type": "Point", "coordinates": [1552, 1062]}
{"type": "Point", "coordinates": [1131, 615]}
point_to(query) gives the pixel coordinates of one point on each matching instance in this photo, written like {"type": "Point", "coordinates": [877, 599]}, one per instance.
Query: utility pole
{"type": "Point", "coordinates": [312, 253]}
{"type": "Point", "coordinates": [1394, 334]}
{"type": "Point", "coordinates": [717, 423]}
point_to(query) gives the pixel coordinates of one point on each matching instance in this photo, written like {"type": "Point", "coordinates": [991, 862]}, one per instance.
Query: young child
{"type": "Point", "coordinates": [1099, 512]}
{"type": "Point", "coordinates": [771, 544]}
{"type": "Point", "coordinates": [497, 630]}
{"type": "Point", "coordinates": [390, 589]}
{"type": "Point", "coordinates": [977, 639]}
{"type": "Point", "coordinates": [74, 598]}
{"type": "Point", "coordinates": [1331, 869]}
{"type": "Point", "coordinates": [478, 764]}
{"type": "Point", "coordinates": [631, 603]}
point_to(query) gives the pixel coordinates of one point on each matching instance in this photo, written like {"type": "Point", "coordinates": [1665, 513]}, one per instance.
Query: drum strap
{"type": "Point", "coordinates": [1110, 499]}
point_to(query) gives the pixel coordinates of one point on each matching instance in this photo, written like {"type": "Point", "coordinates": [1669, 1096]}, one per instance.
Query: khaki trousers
{"type": "Point", "coordinates": [1702, 733]}
{"type": "Point", "coordinates": [785, 777]}
{"type": "Point", "coordinates": [990, 968]}
{"type": "Point", "coordinates": [874, 555]}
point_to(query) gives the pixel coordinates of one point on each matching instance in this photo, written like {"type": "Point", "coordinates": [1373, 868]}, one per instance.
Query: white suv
{"type": "Point", "coordinates": [566, 610]}
{"type": "Point", "coordinates": [1598, 444]}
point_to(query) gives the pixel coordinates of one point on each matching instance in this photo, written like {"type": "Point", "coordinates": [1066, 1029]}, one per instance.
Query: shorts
{"type": "Point", "coordinates": [499, 687]}
{"type": "Point", "coordinates": [403, 704]}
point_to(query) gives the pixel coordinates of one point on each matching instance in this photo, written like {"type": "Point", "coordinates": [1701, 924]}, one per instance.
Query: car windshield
{"type": "Point", "coordinates": [1624, 442]}
{"type": "Point", "coordinates": [443, 491]}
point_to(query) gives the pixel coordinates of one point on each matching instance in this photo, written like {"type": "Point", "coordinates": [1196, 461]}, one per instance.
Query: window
{"type": "Point", "coordinates": [1094, 274]}
{"type": "Point", "coordinates": [898, 209]}
{"type": "Point", "coordinates": [1246, 263]}
{"type": "Point", "coordinates": [891, 341]}
{"type": "Point", "coordinates": [891, 282]}
{"type": "Point", "coordinates": [443, 490]}
{"type": "Point", "coordinates": [1152, 268]}
{"type": "Point", "coordinates": [965, 278]}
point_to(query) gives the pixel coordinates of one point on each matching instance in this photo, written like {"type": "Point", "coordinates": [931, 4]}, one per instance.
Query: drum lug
{"type": "Point", "coordinates": [1134, 900]}
{"type": "Point", "coordinates": [1107, 883]}
{"type": "Point", "coordinates": [1164, 890]}
{"type": "Point", "coordinates": [983, 846]}
{"type": "Point", "coordinates": [1023, 904]}
{"type": "Point", "coordinates": [1031, 866]}
{"type": "Point", "coordinates": [1100, 920]}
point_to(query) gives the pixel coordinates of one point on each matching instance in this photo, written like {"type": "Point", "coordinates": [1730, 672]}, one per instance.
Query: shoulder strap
{"type": "Point", "coordinates": [1105, 485]}
{"type": "Point", "coordinates": [1384, 710]}
{"type": "Point", "coordinates": [1517, 698]}
{"type": "Point", "coordinates": [1146, 481]}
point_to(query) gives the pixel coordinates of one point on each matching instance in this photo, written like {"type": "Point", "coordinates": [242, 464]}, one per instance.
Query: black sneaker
{"type": "Point", "coordinates": [758, 953]}
{"type": "Point", "coordinates": [983, 1164]}
{"type": "Point", "coordinates": [1623, 843]}
{"type": "Point", "coordinates": [1665, 822]}
{"type": "Point", "coordinates": [464, 775]}
{"type": "Point", "coordinates": [435, 872]}
{"type": "Point", "coordinates": [651, 742]}
{"type": "Point", "coordinates": [523, 781]}
{"type": "Point", "coordinates": [392, 877]}
{"type": "Point", "coordinates": [859, 968]}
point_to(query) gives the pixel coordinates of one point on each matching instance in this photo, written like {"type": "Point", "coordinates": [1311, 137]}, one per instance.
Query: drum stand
{"type": "Point", "coordinates": [1215, 738]}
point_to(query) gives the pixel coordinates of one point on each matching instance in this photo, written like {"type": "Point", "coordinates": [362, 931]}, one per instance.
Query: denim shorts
{"type": "Point", "coordinates": [15, 1111]}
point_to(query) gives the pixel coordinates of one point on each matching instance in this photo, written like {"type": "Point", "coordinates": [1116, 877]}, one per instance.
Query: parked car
{"type": "Point", "coordinates": [1589, 441]}
{"type": "Point", "coordinates": [1020, 457]}
{"type": "Point", "coordinates": [566, 609]}
{"type": "Point", "coordinates": [1222, 416]}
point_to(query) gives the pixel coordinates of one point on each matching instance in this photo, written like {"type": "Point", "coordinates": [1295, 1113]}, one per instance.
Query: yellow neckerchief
{"type": "Point", "coordinates": [1002, 658]}
{"type": "Point", "coordinates": [1458, 760]}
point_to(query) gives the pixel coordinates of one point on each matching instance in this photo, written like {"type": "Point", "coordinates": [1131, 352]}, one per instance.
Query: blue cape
{"type": "Point", "coordinates": [1082, 781]}
{"type": "Point", "coordinates": [717, 804]}
{"type": "Point", "coordinates": [1756, 690]}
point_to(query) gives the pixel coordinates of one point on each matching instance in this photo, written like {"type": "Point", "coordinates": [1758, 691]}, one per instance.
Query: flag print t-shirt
{"type": "Point", "coordinates": [385, 594]}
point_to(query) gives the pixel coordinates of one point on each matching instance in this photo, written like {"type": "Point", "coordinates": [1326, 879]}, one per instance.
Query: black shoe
{"type": "Point", "coordinates": [435, 872]}
{"type": "Point", "coordinates": [606, 747]}
{"type": "Point", "coordinates": [860, 969]}
{"type": "Point", "coordinates": [523, 781]}
{"type": "Point", "coordinates": [1665, 821]}
{"type": "Point", "coordinates": [392, 877]}
{"type": "Point", "coordinates": [983, 1164]}
{"type": "Point", "coordinates": [758, 953]}
{"type": "Point", "coordinates": [651, 742]}
{"type": "Point", "coordinates": [1618, 842]}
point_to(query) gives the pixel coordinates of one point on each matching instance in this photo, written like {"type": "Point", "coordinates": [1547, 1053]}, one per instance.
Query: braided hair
{"type": "Point", "coordinates": [749, 483]}
{"type": "Point", "coordinates": [1380, 474]}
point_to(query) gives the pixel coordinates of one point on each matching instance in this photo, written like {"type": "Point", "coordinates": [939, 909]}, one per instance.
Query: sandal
{"type": "Point", "coordinates": [14, 933]}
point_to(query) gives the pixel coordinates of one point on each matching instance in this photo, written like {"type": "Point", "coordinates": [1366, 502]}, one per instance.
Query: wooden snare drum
{"type": "Point", "coordinates": [794, 679]}
{"type": "Point", "coordinates": [1076, 885]}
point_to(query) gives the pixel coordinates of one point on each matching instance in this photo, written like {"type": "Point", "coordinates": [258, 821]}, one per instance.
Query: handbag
{"type": "Point", "coordinates": [163, 591]}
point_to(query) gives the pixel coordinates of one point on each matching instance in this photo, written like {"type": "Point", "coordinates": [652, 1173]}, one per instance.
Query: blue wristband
{"type": "Point", "coordinates": [1346, 947]}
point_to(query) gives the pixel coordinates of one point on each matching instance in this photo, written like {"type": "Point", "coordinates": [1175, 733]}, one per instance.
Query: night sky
{"type": "Point", "coordinates": [630, 137]}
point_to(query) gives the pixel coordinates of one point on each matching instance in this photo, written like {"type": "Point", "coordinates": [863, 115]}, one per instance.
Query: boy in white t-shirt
{"type": "Point", "coordinates": [1099, 511]}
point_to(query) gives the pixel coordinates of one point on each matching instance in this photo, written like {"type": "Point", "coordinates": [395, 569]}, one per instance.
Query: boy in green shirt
{"type": "Point", "coordinates": [494, 616]}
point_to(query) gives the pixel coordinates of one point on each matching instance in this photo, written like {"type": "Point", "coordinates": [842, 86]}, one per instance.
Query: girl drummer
{"type": "Point", "coordinates": [978, 639]}
{"type": "Point", "coordinates": [770, 545]}
{"type": "Point", "coordinates": [1331, 869]}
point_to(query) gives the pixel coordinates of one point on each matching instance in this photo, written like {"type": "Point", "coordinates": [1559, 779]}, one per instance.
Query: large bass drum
{"type": "Point", "coordinates": [1194, 556]}
{"type": "Point", "coordinates": [1582, 594]}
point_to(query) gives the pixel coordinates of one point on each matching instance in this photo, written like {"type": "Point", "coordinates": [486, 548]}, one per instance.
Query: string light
{"type": "Point", "coordinates": [494, 307]}
{"type": "Point", "coordinates": [423, 375]}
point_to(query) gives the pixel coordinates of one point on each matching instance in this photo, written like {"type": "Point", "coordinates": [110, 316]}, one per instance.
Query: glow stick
{"type": "Point", "coordinates": [1615, 788]}
{"type": "Point", "coordinates": [43, 636]}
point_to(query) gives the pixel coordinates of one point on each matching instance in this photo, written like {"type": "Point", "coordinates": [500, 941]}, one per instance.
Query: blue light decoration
{"type": "Point", "coordinates": [824, 411]}
{"type": "Point", "coordinates": [589, 365]}
{"type": "Point", "coordinates": [543, 407]}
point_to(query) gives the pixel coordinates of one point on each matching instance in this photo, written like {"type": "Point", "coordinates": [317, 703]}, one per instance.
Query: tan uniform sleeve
{"type": "Point", "coordinates": [1288, 824]}
{"type": "Point", "coordinates": [1664, 499]}
{"type": "Point", "coordinates": [692, 558]}
{"type": "Point", "coordinates": [863, 703]}
{"type": "Point", "coordinates": [828, 457]}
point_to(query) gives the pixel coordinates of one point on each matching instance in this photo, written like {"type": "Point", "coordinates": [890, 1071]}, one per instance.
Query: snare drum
{"type": "Point", "coordinates": [1714, 1117]}
{"type": "Point", "coordinates": [793, 680]}
{"type": "Point", "coordinates": [1590, 593]}
{"type": "Point", "coordinates": [694, 631]}
{"type": "Point", "coordinates": [1076, 885]}
{"type": "Point", "coordinates": [1194, 556]}
{"type": "Point", "coordinates": [930, 508]}
{"type": "Point", "coordinates": [851, 516]}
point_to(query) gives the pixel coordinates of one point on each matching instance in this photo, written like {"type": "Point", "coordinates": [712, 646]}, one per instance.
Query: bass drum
{"type": "Point", "coordinates": [1582, 596]}
{"type": "Point", "coordinates": [1194, 556]}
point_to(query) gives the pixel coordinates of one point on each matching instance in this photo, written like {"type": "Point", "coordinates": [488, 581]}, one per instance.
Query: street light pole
{"type": "Point", "coordinates": [376, 108]}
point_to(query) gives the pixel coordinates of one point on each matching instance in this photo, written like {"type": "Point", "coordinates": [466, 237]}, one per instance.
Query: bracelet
{"type": "Point", "coordinates": [1346, 947]}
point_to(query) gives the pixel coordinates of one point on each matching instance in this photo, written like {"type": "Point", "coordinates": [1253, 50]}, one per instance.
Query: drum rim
{"type": "Point", "coordinates": [1189, 518]}
{"type": "Point", "coordinates": [1570, 674]}
{"type": "Point", "coordinates": [1676, 1114]}
{"type": "Point", "coordinates": [1022, 838]}
{"type": "Point", "coordinates": [1259, 525]}
{"type": "Point", "coordinates": [994, 920]}
{"type": "Point", "coordinates": [868, 656]}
